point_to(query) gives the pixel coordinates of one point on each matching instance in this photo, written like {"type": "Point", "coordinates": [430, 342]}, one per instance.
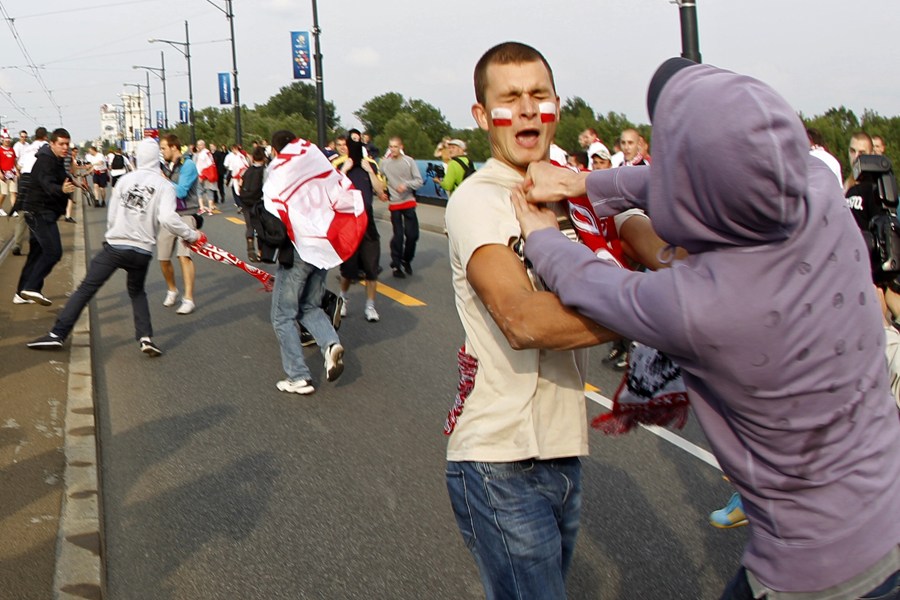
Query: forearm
{"type": "Point", "coordinates": [612, 191]}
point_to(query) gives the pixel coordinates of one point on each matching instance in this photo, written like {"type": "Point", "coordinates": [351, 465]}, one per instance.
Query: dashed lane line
{"type": "Point", "coordinates": [694, 450]}
{"type": "Point", "coordinates": [235, 220]}
{"type": "Point", "coordinates": [397, 295]}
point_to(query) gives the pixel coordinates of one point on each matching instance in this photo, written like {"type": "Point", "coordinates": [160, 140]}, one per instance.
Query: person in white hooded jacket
{"type": "Point", "coordinates": [141, 203]}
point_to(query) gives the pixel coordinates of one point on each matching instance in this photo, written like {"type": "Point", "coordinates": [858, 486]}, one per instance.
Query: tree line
{"type": "Point", "coordinates": [422, 126]}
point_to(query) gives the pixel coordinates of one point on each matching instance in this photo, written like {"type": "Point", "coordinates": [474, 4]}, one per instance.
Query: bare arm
{"type": "Point", "coordinates": [641, 244]}
{"type": "Point", "coordinates": [527, 318]}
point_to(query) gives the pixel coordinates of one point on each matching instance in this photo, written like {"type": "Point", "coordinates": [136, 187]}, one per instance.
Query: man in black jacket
{"type": "Point", "coordinates": [45, 203]}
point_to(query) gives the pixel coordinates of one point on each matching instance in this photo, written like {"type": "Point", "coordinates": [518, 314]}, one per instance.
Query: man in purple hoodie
{"type": "Point", "coordinates": [773, 318]}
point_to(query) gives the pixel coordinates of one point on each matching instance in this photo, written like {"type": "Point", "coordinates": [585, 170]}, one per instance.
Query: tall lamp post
{"type": "Point", "coordinates": [690, 39]}
{"type": "Point", "coordinates": [161, 73]}
{"type": "Point", "coordinates": [229, 14]}
{"type": "Point", "coordinates": [320, 87]}
{"type": "Point", "coordinates": [185, 49]}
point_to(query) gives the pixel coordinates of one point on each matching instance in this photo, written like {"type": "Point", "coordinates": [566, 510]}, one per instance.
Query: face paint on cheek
{"type": "Point", "coordinates": [501, 117]}
{"type": "Point", "coordinates": [548, 112]}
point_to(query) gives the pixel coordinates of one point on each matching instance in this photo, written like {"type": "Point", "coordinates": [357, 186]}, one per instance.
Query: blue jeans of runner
{"type": "Point", "coordinates": [102, 267]}
{"type": "Point", "coordinates": [298, 296]}
{"type": "Point", "coordinates": [44, 250]}
{"type": "Point", "coordinates": [406, 234]}
{"type": "Point", "coordinates": [519, 520]}
{"type": "Point", "coordinates": [739, 588]}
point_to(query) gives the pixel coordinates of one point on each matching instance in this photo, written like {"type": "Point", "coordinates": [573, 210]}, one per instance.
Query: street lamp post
{"type": "Point", "coordinates": [320, 86]}
{"type": "Point", "coordinates": [161, 73]}
{"type": "Point", "coordinates": [229, 14]}
{"type": "Point", "coordinates": [185, 49]}
{"type": "Point", "coordinates": [690, 39]}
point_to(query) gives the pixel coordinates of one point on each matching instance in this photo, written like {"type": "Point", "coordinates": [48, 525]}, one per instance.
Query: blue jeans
{"type": "Point", "coordinates": [406, 234]}
{"type": "Point", "coordinates": [520, 521]}
{"type": "Point", "coordinates": [107, 261]}
{"type": "Point", "coordinates": [739, 589]}
{"type": "Point", "coordinates": [44, 250]}
{"type": "Point", "coordinates": [298, 296]}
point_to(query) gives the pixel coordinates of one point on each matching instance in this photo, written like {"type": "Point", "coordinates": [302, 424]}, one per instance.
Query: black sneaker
{"type": "Point", "coordinates": [50, 341]}
{"type": "Point", "coordinates": [306, 338]}
{"type": "Point", "coordinates": [17, 251]}
{"type": "Point", "coordinates": [406, 267]}
{"type": "Point", "coordinates": [399, 274]}
{"type": "Point", "coordinates": [70, 220]}
{"type": "Point", "coordinates": [149, 348]}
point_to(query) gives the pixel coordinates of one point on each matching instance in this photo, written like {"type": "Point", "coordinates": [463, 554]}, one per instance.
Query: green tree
{"type": "Point", "coordinates": [299, 98]}
{"type": "Point", "coordinates": [416, 142]}
{"type": "Point", "coordinates": [375, 113]}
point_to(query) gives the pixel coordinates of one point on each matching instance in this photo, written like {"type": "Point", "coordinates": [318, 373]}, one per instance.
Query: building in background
{"type": "Point", "coordinates": [134, 112]}
{"type": "Point", "coordinates": [110, 125]}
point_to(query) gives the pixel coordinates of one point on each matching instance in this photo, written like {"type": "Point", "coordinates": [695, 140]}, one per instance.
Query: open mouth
{"type": "Point", "coordinates": [528, 138]}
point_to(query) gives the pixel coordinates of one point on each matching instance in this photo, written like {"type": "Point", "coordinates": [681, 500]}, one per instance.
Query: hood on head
{"type": "Point", "coordinates": [147, 154]}
{"type": "Point", "coordinates": [729, 161]}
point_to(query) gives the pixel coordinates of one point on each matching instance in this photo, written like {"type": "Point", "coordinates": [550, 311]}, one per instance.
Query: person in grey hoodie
{"type": "Point", "coordinates": [773, 319]}
{"type": "Point", "coordinates": [141, 203]}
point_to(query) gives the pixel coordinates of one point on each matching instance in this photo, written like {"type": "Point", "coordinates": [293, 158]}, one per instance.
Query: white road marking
{"type": "Point", "coordinates": [665, 434]}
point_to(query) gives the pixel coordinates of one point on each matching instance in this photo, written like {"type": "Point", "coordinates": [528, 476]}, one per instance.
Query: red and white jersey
{"type": "Point", "coordinates": [324, 214]}
{"type": "Point", "coordinates": [7, 160]}
{"type": "Point", "coordinates": [206, 165]}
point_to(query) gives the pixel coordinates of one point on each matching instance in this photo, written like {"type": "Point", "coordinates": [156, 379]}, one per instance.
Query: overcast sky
{"type": "Point", "coordinates": [817, 53]}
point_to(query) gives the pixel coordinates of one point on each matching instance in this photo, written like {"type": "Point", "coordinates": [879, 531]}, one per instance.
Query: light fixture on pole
{"type": "Point", "coordinates": [185, 49]}
{"type": "Point", "coordinates": [161, 73]}
{"type": "Point", "coordinates": [690, 39]}
{"type": "Point", "coordinates": [229, 14]}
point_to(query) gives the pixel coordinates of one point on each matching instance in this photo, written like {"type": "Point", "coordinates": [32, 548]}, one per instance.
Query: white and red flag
{"type": "Point", "coordinates": [501, 117]}
{"type": "Point", "coordinates": [324, 214]}
{"type": "Point", "coordinates": [548, 112]}
{"type": "Point", "coordinates": [206, 166]}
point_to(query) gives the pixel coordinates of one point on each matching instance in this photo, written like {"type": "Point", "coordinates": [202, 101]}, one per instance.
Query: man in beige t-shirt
{"type": "Point", "coordinates": [519, 423]}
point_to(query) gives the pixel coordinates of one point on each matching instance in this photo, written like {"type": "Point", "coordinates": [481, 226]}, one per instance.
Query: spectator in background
{"type": "Point", "coordinates": [8, 173]}
{"type": "Point", "coordinates": [209, 178]}
{"type": "Point", "coordinates": [219, 158]}
{"type": "Point", "coordinates": [459, 167]}
{"type": "Point", "coordinates": [403, 179]}
{"type": "Point", "coordinates": [101, 174]}
{"type": "Point", "coordinates": [860, 143]}
{"type": "Point", "coordinates": [251, 193]}
{"type": "Point", "coordinates": [878, 145]}
{"type": "Point", "coordinates": [817, 149]}
{"type": "Point", "coordinates": [600, 159]}
{"type": "Point", "coordinates": [236, 163]}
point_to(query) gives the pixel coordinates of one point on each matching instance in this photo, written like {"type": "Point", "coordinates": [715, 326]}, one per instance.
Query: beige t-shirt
{"type": "Point", "coordinates": [525, 403]}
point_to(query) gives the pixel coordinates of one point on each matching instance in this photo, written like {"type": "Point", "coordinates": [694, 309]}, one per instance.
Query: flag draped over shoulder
{"type": "Point", "coordinates": [206, 166]}
{"type": "Point", "coordinates": [324, 214]}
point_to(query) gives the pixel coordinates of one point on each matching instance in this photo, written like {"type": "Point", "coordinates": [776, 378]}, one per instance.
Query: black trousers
{"type": "Point", "coordinates": [406, 234]}
{"type": "Point", "coordinates": [102, 267]}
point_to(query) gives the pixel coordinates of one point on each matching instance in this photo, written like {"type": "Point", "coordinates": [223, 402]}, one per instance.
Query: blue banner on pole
{"type": "Point", "coordinates": [159, 120]}
{"type": "Point", "coordinates": [224, 88]}
{"type": "Point", "coordinates": [183, 111]}
{"type": "Point", "coordinates": [300, 54]}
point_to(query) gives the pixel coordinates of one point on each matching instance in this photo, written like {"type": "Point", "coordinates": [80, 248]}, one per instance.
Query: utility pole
{"type": "Point", "coordinates": [320, 87]}
{"type": "Point", "coordinates": [185, 48]}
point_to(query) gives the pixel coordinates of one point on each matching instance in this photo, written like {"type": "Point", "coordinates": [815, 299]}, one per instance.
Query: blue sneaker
{"type": "Point", "coordinates": [731, 515]}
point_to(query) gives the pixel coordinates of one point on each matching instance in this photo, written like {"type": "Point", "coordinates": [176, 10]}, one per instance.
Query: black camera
{"type": "Point", "coordinates": [434, 171]}
{"type": "Point", "coordinates": [883, 234]}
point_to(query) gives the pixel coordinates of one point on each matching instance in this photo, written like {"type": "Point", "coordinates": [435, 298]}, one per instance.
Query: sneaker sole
{"type": "Point", "coordinates": [302, 391]}
{"type": "Point", "coordinates": [152, 352]}
{"type": "Point", "coordinates": [337, 367]}
{"type": "Point", "coordinates": [731, 526]}
{"type": "Point", "coordinates": [36, 298]}
{"type": "Point", "coordinates": [46, 346]}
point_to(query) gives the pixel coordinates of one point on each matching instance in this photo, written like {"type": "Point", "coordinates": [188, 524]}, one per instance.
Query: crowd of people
{"type": "Point", "coordinates": [738, 250]}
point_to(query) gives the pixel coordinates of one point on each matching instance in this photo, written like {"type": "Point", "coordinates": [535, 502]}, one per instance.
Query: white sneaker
{"type": "Point", "coordinates": [344, 308]}
{"type": "Point", "coordinates": [35, 297]}
{"type": "Point", "coordinates": [171, 298]}
{"type": "Point", "coordinates": [186, 308]}
{"type": "Point", "coordinates": [17, 299]}
{"type": "Point", "coordinates": [334, 362]}
{"type": "Point", "coordinates": [301, 386]}
{"type": "Point", "coordinates": [3, 213]}
{"type": "Point", "coordinates": [371, 314]}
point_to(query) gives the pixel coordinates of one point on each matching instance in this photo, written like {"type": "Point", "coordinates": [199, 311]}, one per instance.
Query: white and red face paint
{"type": "Point", "coordinates": [501, 117]}
{"type": "Point", "coordinates": [548, 112]}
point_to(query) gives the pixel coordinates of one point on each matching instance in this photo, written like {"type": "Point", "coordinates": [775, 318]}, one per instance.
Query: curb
{"type": "Point", "coordinates": [78, 574]}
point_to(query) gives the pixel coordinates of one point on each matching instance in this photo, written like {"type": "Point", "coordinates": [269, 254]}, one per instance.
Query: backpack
{"type": "Point", "coordinates": [118, 162]}
{"type": "Point", "coordinates": [271, 234]}
{"type": "Point", "coordinates": [468, 168]}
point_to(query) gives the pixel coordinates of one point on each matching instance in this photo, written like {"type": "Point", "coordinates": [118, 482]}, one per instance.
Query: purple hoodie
{"type": "Point", "coordinates": [773, 319]}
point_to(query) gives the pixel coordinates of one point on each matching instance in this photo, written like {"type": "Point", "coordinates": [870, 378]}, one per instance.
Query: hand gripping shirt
{"type": "Point", "coordinates": [524, 403]}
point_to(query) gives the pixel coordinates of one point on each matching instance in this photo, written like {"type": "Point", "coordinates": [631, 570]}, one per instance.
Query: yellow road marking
{"type": "Point", "coordinates": [397, 295]}
{"type": "Point", "coordinates": [591, 388]}
{"type": "Point", "coordinates": [235, 220]}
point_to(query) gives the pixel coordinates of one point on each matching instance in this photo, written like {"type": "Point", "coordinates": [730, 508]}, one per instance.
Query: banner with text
{"type": "Point", "coordinates": [182, 111]}
{"type": "Point", "coordinates": [159, 120]}
{"type": "Point", "coordinates": [224, 88]}
{"type": "Point", "coordinates": [300, 54]}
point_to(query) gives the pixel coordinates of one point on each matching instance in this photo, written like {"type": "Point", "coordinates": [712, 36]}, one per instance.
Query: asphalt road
{"type": "Point", "coordinates": [217, 486]}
